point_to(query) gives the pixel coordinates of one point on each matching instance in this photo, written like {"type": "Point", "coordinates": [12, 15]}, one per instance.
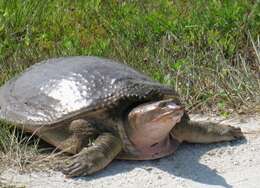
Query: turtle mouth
{"type": "Point", "coordinates": [172, 110]}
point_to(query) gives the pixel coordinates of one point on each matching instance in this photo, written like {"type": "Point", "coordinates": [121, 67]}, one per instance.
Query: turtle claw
{"type": "Point", "coordinates": [69, 170]}
{"type": "Point", "coordinates": [74, 172]}
{"type": "Point", "coordinates": [236, 132]}
{"type": "Point", "coordinates": [233, 133]}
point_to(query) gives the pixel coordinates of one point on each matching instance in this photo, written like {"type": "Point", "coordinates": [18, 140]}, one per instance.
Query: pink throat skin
{"type": "Point", "coordinates": [151, 137]}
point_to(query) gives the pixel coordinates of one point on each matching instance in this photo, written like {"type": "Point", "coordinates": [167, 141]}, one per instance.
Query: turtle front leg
{"type": "Point", "coordinates": [95, 157]}
{"type": "Point", "coordinates": [205, 132]}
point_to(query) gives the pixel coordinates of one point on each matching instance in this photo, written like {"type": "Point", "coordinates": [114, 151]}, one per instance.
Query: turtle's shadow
{"type": "Point", "coordinates": [184, 163]}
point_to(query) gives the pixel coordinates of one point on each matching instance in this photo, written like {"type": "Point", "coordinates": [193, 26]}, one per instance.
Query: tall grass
{"type": "Point", "coordinates": [209, 51]}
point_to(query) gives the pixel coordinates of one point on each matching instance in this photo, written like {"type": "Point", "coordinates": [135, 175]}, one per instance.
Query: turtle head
{"type": "Point", "coordinates": [153, 115]}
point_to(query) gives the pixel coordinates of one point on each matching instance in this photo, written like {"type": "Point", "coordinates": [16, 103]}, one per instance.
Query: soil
{"type": "Point", "coordinates": [230, 164]}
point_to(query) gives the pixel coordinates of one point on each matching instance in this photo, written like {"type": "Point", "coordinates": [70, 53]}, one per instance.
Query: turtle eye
{"type": "Point", "coordinates": [172, 105]}
{"type": "Point", "coordinates": [167, 104]}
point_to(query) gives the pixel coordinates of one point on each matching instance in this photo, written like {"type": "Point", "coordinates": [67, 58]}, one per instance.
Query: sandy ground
{"type": "Point", "coordinates": [233, 164]}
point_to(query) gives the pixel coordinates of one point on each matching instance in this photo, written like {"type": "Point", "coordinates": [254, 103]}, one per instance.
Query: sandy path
{"type": "Point", "coordinates": [233, 164]}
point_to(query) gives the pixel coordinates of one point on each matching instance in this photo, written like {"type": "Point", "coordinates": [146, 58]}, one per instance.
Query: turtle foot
{"type": "Point", "coordinates": [233, 133]}
{"type": "Point", "coordinates": [84, 163]}
{"type": "Point", "coordinates": [94, 157]}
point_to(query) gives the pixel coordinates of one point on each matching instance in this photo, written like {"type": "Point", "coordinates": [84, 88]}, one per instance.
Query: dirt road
{"type": "Point", "coordinates": [233, 164]}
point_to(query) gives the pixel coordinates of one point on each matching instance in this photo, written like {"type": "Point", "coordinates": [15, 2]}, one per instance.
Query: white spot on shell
{"type": "Point", "coordinates": [113, 81]}
{"type": "Point", "coordinates": [38, 117]}
{"type": "Point", "coordinates": [69, 95]}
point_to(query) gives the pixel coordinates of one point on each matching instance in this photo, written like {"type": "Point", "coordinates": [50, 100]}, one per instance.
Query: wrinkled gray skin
{"type": "Point", "coordinates": [71, 101]}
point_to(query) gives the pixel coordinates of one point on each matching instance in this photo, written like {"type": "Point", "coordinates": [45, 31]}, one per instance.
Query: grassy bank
{"type": "Point", "coordinates": [207, 50]}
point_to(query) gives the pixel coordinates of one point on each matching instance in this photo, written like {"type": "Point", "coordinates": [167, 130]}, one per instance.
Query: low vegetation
{"type": "Point", "coordinates": [209, 51]}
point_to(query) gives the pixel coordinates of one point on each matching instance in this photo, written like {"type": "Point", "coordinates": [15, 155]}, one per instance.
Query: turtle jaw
{"type": "Point", "coordinates": [173, 112]}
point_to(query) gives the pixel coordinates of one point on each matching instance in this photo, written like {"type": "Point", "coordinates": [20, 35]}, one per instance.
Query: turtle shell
{"type": "Point", "coordinates": [61, 88]}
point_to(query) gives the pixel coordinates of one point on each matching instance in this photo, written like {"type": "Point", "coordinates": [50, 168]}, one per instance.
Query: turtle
{"type": "Point", "coordinates": [98, 110]}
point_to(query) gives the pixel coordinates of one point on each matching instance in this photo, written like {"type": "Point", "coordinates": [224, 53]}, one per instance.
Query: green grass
{"type": "Point", "coordinates": [207, 50]}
